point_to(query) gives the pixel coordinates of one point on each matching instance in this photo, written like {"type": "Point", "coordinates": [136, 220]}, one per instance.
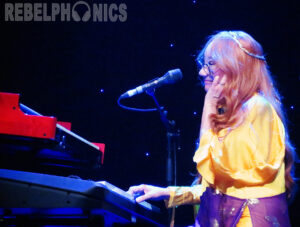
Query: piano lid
{"type": "Point", "coordinates": [13, 121]}
{"type": "Point", "coordinates": [20, 120]}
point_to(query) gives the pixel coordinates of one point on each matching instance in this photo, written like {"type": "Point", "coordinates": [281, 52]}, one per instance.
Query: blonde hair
{"type": "Point", "coordinates": [241, 59]}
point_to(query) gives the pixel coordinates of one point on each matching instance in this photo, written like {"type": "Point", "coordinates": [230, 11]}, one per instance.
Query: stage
{"type": "Point", "coordinates": [73, 60]}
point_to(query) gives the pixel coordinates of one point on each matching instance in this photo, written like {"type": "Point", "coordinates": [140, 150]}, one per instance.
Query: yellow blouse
{"type": "Point", "coordinates": [244, 161]}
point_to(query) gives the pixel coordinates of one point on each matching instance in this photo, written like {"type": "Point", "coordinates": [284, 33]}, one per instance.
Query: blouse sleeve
{"type": "Point", "coordinates": [250, 154]}
{"type": "Point", "coordinates": [184, 195]}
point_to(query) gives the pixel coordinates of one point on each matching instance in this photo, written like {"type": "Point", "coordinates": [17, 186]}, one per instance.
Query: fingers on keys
{"type": "Point", "coordinates": [137, 189]}
{"type": "Point", "coordinates": [138, 192]}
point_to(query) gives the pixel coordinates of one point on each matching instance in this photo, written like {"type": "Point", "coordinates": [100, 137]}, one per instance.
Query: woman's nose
{"type": "Point", "coordinates": [203, 72]}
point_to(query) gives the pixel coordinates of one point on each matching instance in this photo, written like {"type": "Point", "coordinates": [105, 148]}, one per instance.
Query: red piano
{"type": "Point", "coordinates": [32, 142]}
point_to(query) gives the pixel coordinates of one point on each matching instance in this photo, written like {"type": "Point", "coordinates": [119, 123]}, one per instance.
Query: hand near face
{"type": "Point", "coordinates": [214, 93]}
{"type": "Point", "coordinates": [144, 192]}
{"type": "Point", "coordinates": [212, 96]}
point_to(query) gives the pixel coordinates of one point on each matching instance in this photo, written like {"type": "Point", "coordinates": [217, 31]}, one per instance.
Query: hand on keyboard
{"type": "Point", "coordinates": [144, 192]}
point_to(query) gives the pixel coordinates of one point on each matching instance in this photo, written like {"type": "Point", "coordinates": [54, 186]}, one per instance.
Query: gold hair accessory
{"type": "Point", "coordinates": [244, 49]}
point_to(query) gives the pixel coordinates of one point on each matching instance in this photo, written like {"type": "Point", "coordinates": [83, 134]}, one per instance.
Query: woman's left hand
{"type": "Point", "coordinates": [212, 96]}
{"type": "Point", "coordinates": [214, 93]}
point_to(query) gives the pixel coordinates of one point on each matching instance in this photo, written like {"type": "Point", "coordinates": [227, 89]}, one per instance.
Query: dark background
{"type": "Point", "coordinates": [59, 68]}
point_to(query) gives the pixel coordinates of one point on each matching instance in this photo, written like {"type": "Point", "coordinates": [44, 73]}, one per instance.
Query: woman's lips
{"type": "Point", "coordinates": [208, 81]}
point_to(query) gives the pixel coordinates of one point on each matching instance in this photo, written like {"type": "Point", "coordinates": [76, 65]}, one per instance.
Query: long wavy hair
{"type": "Point", "coordinates": [246, 75]}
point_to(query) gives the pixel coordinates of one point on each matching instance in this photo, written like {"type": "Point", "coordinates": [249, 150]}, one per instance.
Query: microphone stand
{"type": "Point", "coordinates": [173, 136]}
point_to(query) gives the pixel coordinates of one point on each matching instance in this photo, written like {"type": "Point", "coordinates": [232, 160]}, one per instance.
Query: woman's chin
{"type": "Point", "coordinates": [207, 87]}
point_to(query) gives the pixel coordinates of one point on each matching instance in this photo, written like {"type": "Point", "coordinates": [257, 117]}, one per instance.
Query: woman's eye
{"type": "Point", "coordinates": [211, 62]}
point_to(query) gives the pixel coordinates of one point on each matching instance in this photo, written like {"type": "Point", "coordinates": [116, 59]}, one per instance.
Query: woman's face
{"type": "Point", "coordinates": [209, 70]}
{"type": "Point", "coordinates": [207, 74]}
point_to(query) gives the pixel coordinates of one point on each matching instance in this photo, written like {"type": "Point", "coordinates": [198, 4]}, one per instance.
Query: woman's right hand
{"type": "Point", "coordinates": [145, 192]}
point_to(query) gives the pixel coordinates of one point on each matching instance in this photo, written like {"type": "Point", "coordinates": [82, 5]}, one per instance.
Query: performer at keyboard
{"type": "Point", "coordinates": [244, 157]}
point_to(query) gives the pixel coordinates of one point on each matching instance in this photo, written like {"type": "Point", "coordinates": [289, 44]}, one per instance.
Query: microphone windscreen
{"type": "Point", "coordinates": [173, 76]}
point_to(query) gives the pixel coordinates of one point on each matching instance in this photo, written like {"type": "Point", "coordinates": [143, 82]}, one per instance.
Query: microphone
{"type": "Point", "coordinates": [170, 77]}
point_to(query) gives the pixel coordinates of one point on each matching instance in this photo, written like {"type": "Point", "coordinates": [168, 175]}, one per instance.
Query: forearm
{"type": "Point", "coordinates": [208, 109]}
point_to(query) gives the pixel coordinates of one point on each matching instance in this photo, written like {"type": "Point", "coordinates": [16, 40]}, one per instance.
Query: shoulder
{"type": "Point", "coordinates": [258, 104]}
{"type": "Point", "coordinates": [258, 107]}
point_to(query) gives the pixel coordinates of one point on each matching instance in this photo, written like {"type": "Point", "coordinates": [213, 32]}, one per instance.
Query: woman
{"type": "Point", "coordinates": [244, 157]}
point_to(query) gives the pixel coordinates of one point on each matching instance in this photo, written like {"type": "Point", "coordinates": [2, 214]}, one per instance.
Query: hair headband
{"type": "Point", "coordinates": [260, 57]}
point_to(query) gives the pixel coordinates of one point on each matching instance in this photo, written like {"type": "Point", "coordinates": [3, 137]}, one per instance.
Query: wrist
{"type": "Point", "coordinates": [166, 193]}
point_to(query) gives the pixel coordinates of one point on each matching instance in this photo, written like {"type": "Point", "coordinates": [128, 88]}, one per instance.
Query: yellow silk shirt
{"type": "Point", "coordinates": [245, 161]}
